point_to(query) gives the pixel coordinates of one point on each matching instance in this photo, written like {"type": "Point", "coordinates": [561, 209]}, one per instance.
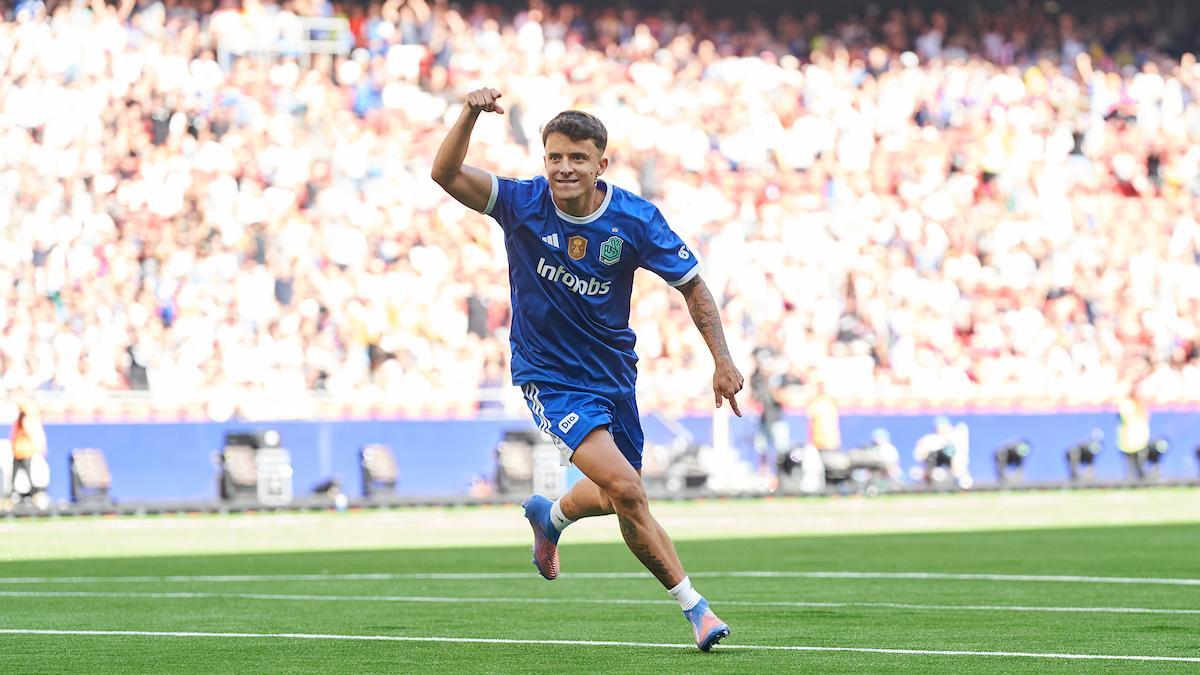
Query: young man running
{"type": "Point", "coordinates": [574, 243]}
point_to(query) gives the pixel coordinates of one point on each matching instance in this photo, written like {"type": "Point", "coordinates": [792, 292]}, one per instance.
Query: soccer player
{"type": "Point", "coordinates": [574, 243]}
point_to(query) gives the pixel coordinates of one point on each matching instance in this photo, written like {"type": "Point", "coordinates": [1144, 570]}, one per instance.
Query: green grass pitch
{"type": "Point", "coordinates": [369, 597]}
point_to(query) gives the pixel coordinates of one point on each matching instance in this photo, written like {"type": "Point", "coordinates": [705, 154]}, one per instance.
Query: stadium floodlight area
{"type": "Point", "coordinates": [380, 472]}
{"type": "Point", "coordinates": [274, 468]}
{"type": "Point", "coordinates": [90, 477]}
{"type": "Point", "coordinates": [527, 461]}
{"type": "Point", "coordinates": [514, 462]}
{"type": "Point", "coordinates": [239, 478]}
{"type": "Point", "coordinates": [255, 469]}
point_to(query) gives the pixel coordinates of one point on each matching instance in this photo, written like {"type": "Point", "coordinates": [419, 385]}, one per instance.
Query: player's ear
{"type": "Point", "coordinates": [603, 165]}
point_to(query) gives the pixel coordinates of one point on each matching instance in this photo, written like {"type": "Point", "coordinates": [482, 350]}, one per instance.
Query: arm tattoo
{"type": "Point", "coordinates": [641, 550]}
{"type": "Point", "coordinates": [705, 315]}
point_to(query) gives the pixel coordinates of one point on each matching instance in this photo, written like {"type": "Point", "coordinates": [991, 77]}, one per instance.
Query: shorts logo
{"type": "Point", "coordinates": [577, 247]}
{"type": "Point", "coordinates": [610, 251]}
{"type": "Point", "coordinates": [568, 422]}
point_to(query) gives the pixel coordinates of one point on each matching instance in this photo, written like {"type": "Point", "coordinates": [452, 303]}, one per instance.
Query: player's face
{"type": "Point", "coordinates": [572, 167]}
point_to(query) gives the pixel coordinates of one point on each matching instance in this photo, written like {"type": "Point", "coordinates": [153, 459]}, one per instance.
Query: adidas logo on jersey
{"type": "Point", "coordinates": [578, 284]}
{"type": "Point", "coordinates": [551, 239]}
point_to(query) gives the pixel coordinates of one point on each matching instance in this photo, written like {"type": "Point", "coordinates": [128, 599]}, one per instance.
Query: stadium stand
{"type": "Point", "coordinates": [900, 204]}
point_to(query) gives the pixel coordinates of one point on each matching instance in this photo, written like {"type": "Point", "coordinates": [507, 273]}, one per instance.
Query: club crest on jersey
{"type": "Point", "coordinates": [610, 251]}
{"type": "Point", "coordinates": [577, 247]}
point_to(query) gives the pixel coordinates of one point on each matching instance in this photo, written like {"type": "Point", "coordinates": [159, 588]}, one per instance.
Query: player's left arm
{"type": "Point", "coordinates": [727, 380]}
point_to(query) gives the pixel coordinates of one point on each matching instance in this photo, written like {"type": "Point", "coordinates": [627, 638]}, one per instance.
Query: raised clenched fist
{"type": "Point", "coordinates": [486, 100]}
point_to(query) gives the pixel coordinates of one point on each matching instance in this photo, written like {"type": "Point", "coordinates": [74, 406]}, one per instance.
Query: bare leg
{"type": "Point", "coordinates": [584, 500]}
{"type": "Point", "coordinates": [616, 481]}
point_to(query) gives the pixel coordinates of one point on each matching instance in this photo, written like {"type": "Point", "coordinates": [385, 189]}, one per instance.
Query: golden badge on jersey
{"type": "Point", "coordinates": [577, 247]}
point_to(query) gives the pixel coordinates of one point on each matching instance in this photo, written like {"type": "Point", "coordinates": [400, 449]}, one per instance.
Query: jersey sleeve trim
{"type": "Point", "coordinates": [487, 211]}
{"type": "Point", "coordinates": [691, 274]}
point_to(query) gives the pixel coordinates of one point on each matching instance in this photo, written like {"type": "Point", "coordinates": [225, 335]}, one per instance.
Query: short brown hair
{"type": "Point", "coordinates": [577, 126]}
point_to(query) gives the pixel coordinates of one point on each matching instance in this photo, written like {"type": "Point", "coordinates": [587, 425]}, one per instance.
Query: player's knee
{"type": "Point", "coordinates": [627, 496]}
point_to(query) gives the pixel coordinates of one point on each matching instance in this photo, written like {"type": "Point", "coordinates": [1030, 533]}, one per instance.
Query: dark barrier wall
{"type": "Point", "coordinates": [155, 461]}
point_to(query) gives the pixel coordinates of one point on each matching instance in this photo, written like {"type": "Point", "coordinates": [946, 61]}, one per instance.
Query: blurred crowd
{"type": "Point", "coordinates": [896, 205]}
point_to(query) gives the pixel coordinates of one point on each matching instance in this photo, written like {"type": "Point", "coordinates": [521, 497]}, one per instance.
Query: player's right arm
{"type": "Point", "coordinates": [470, 186]}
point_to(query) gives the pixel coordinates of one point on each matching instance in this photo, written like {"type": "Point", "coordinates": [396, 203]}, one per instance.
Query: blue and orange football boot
{"type": "Point", "coordinates": [708, 628]}
{"type": "Point", "coordinates": [545, 536]}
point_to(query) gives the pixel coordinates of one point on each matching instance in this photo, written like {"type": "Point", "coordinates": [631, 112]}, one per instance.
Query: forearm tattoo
{"type": "Point", "coordinates": [705, 315]}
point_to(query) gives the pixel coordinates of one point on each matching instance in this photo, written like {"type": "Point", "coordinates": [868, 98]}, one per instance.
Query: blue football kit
{"type": "Point", "coordinates": [571, 280]}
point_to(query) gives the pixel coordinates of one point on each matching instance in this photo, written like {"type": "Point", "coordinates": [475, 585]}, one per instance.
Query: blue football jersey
{"type": "Point", "coordinates": [571, 280]}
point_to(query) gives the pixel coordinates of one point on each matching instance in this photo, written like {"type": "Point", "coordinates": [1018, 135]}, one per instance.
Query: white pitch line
{"type": "Point", "coordinates": [576, 601]}
{"type": "Point", "coordinates": [594, 643]}
{"type": "Point", "coordinates": [942, 576]}
{"type": "Point", "coordinates": [749, 574]}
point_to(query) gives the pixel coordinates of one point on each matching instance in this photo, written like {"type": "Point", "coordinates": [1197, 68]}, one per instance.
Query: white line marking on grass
{"type": "Point", "coordinates": [593, 643]}
{"type": "Point", "coordinates": [942, 576]}
{"type": "Point", "coordinates": [576, 601]}
{"type": "Point", "coordinates": [749, 574]}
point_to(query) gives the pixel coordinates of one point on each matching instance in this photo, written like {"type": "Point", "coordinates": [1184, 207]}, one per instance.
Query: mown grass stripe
{"type": "Point", "coordinates": [287, 597]}
{"type": "Point", "coordinates": [531, 575]}
{"type": "Point", "coordinates": [592, 643]}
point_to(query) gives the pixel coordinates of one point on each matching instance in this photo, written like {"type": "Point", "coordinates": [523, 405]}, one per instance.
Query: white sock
{"type": "Point", "coordinates": [685, 595]}
{"type": "Point", "coordinates": [557, 518]}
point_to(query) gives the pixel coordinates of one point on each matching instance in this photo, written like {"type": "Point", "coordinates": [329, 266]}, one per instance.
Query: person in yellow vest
{"type": "Point", "coordinates": [29, 454]}
{"type": "Point", "coordinates": [823, 456]}
{"type": "Point", "coordinates": [824, 426]}
{"type": "Point", "coordinates": [1133, 433]}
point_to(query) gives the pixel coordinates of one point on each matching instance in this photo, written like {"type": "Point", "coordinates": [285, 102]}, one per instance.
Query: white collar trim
{"type": "Point", "coordinates": [608, 190]}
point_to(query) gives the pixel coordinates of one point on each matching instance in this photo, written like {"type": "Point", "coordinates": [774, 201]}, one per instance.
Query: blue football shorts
{"type": "Point", "coordinates": [569, 415]}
